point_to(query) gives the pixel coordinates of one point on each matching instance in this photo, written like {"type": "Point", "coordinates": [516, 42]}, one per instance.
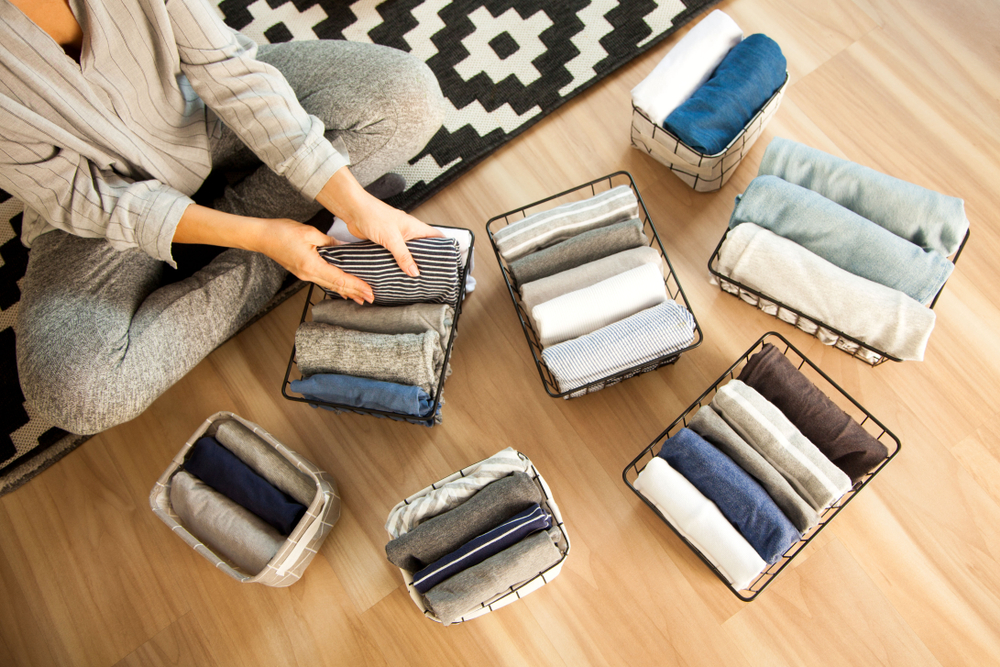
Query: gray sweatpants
{"type": "Point", "coordinates": [99, 336]}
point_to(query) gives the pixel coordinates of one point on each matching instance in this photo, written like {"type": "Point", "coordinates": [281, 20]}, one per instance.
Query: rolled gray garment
{"type": "Point", "coordinates": [266, 461]}
{"type": "Point", "coordinates": [230, 530]}
{"type": "Point", "coordinates": [469, 589]}
{"type": "Point", "coordinates": [580, 249]}
{"type": "Point", "coordinates": [410, 359]}
{"type": "Point", "coordinates": [440, 535]}
{"type": "Point", "coordinates": [413, 318]}
{"type": "Point", "coordinates": [585, 275]}
{"type": "Point", "coordinates": [708, 424]}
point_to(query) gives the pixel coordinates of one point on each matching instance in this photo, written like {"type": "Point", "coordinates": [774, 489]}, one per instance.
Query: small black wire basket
{"type": "Point", "coordinates": [673, 286]}
{"type": "Point", "coordinates": [872, 425]}
{"type": "Point", "coordinates": [315, 295]}
{"type": "Point", "coordinates": [768, 304]}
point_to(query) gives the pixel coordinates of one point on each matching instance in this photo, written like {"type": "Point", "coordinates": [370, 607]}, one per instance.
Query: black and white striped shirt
{"type": "Point", "coordinates": [113, 146]}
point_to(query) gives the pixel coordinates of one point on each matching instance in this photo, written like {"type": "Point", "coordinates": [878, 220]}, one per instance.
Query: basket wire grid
{"type": "Point", "coordinates": [844, 400]}
{"type": "Point", "coordinates": [315, 295]}
{"type": "Point", "coordinates": [673, 286]}
{"type": "Point", "coordinates": [842, 341]}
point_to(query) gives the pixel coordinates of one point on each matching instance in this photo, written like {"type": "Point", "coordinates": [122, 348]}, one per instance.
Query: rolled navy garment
{"type": "Point", "coordinates": [767, 430]}
{"type": "Point", "coordinates": [437, 258]}
{"type": "Point", "coordinates": [361, 392]}
{"type": "Point", "coordinates": [927, 218]}
{"type": "Point", "coordinates": [583, 311]}
{"type": "Point", "coordinates": [884, 318]}
{"type": "Point", "coordinates": [635, 340]}
{"type": "Point", "coordinates": [478, 549]}
{"type": "Point", "coordinates": [580, 249]}
{"type": "Point", "coordinates": [409, 359]}
{"type": "Point", "coordinates": [842, 237]}
{"type": "Point", "coordinates": [840, 438]}
{"type": "Point", "coordinates": [440, 535]}
{"type": "Point", "coordinates": [562, 222]}
{"type": "Point", "coordinates": [709, 425]}
{"type": "Point", "coordinates": [220, 469]}
{"type": "Point", "coordinates": [266, 461]}
{"type": "Point", "coordinates": [687, 66]}
{"type": "Point", "coordinates": [700, 522]}
{"type": "Point", "coordinates": [471, 588]}
{"type": "Point", "coordinates": [737, 495]}
{"type": "Point", "coordinates": [588, 274]}
{"type": "Point", "coordinates": [413, 318]}
{"type": "Point", "coordinates": [228, 529]}
{"type": "Point", "coordinates": [719, 110]}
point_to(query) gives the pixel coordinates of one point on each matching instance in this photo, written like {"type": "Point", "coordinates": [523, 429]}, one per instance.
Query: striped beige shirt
{"type": "Point", "coordinates": [114, 146]}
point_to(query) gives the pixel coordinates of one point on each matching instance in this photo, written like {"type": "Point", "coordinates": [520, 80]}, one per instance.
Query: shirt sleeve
{"type": "Point", "coordinates": [252, 98]}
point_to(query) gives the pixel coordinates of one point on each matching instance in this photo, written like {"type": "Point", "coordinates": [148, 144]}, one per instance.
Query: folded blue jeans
{"type": "Point", "coordinates": [364, 393]}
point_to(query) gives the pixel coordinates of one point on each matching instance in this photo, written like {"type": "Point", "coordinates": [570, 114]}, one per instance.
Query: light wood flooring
{"type": "Point", "coordinates": [908, 574]}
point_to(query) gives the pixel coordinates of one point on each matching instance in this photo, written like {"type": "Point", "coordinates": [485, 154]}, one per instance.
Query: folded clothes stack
{"type": "Point", "coordinates": [594, 288]}
{"type": "Point", "coordinates": [240, 497]}
{"type": "Point", "coordinates": [712, 83]}
{"type": "Point", "coordinates": [853, 249]}
{"type": "Point", "coordinates": [753, 471]}
{"type": "Point", "coordinates": [476, 537]}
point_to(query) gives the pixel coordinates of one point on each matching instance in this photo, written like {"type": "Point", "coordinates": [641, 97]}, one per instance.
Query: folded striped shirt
{"type": "Point", "coordinates": [478, 549]}
{"type": "Point", "coordinates": [438, 259]}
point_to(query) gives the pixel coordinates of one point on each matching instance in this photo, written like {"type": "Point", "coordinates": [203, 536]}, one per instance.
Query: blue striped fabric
{"type": "Point", "coordinates": [478, 549]}
{"type": "Point", "coordinates": [438, 259]}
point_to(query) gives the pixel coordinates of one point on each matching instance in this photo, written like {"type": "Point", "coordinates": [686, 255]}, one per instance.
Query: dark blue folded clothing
{"type": "Point", "coordinates": [719, 110]}
{"type": "Point", "coordinates": [738, 495]}
{"type": "Point", "coordinates": [478, 549]}
{"type": "Point", "coordinates": [364, 393]}
{"type": "Point", "coordinates": [219, 468]}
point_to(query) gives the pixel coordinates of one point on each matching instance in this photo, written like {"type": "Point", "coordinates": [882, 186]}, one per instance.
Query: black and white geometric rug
{"type": "Point", "coordinates": [503, 65]}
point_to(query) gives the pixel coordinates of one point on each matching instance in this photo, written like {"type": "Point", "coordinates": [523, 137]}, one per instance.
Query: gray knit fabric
{"type": "Point", "coordinates": [585, 275]}
{"type": "Point", "coordinates": [442, 534]}
{"type": "Point", "coordinates": [228, 529]}
{"type": "Point", "coordinates": [410, 359]}
{"type": "Point", "coordinates": [265, 461]}
{"type": "Point", "coordinates": [708, 424]}
{"type": "Point", "coordinates": [413, 318]}
{"type": "Point", "coordinates": [470, 588]}
{"type": "Point", "coordinates": [580, 249]}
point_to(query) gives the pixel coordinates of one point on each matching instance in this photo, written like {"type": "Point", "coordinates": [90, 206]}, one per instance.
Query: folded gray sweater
{"type": "Point", "coordinates": [266, 461]}
{"type": "Point", "coordinates": [413, 318]}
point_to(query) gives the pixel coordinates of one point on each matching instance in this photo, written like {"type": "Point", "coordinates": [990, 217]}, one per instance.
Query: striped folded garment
{"type": "Point", "coordinates": [438, 259]}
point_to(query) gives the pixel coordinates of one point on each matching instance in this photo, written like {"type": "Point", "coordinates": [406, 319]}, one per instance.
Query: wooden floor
{"type": "Point", "coordinates": [908, 574]}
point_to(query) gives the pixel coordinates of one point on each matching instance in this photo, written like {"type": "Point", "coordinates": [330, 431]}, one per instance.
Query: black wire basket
{"type": "Point", "coordinates": [872, 425]}
{"type": "Point", "coordinates": [829, 335]}
{"type": "Point", "coordinates": [673, 286]}
{"type": "Point", "coordinates": [315, 295]}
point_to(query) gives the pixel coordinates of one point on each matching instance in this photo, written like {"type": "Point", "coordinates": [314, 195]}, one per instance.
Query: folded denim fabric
{"type": "Point", "coordinates": [883, 318]}
{"type": "Point", "coordinates": [583, 311]}
{"type": "Point", "coordinates": [700, 522]}
{"type": "Point", "coordinates": [265, 461]}
{"type": "Point", "coordinates": [767, 430]}
{"type": "Point", "coordinates": [840, 438]}
{"type": "Point", "coordinates": [645, 336]}
{"type": "Point", "coordinates": [470, 589]}
{"type": "Point", "coordinates": [220, 469]}
{"type": "Point", "coordinates": [562, 222]}
{"type": "Point", "coordinates": [437, 258]}
{"type": "Point", "coordinates": [440, 535]}
{"type": "Point", "coordinates": [479, 548]}
{"type": "Point", "coordinates": [409, 513]}
{"type": "Point", "coordinates": [580, 249]}
{"type": "Point", "coordinates": [737, 495]}
{"type": "Point", "coordinates": [709, 425]}
{"type": "Point", "coordinates": [414, 318]}
{"type": "Point", "coordinates": [409, 359]}
{"type": "Point", "coordinates": [687, 66]}
{"type": "Point", "coordinates": [588, 274]}
{"type": "Point", "coordinates": [230, 530]}
{"type": "Point", "coordinates": [929, 219]}
{"type": "Point", "coordinates": [842, 237]}
{"type": "Point", "coordinates": [719, 110]}
{"type": "Point", "coordinates": [364, 393]}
